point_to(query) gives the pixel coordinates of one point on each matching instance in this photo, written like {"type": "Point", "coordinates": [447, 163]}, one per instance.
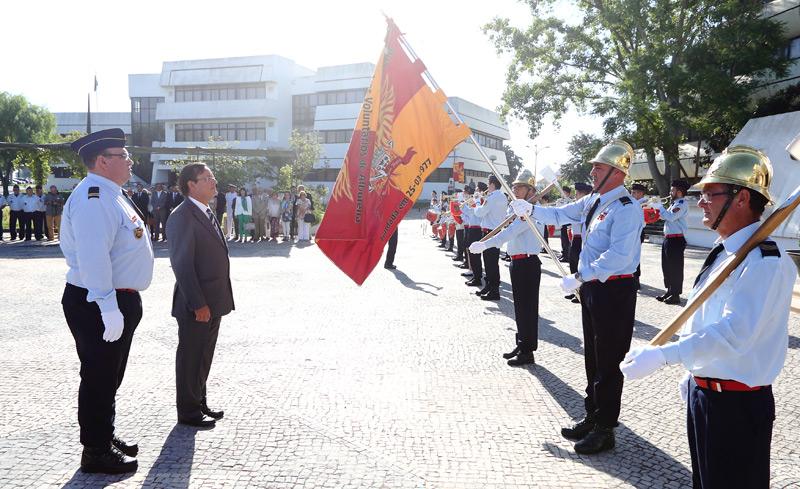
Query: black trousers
{"type": "Point", "coordinates": [564, 242]}
{"type": "Point", "coordinates": [391, 249]}
{"type": "Point", "coordinates": [491, 260]}
{"type": "Point", "coordinates": [102, 363]}
{"type": "Point", "coordinates": [460, 244]}
{"type": "Point", "coordinates": [38, 224]}
{"type": "Point", "coordinates": [638, 272]}
{"type": "Point", "coordinates": [27, 225]}
{"type": "Point", "coordinates": [608, 314]}
{"type": "Point", "coordinates": [575, 252]}
{"type": "Point", "coordinates": [475, 259]}
{"type": "Point", "coordinates": [196, 344]}
{"type": "Point", "coordinates": [526, 274]}
{"type": "Point", "coordinates": [729, 437]}
{"type": "Point", "coordinates": [672, 264]}
{"type": "Point", "coordinates": [16, 224]}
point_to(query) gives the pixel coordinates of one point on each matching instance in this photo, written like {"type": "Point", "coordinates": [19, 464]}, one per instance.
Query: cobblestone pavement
{"type": "Point", "coordinates": [398, 383]}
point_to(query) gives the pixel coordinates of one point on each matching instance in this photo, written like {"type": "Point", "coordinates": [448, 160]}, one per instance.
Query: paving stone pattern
{"type": "Point", "coordinates": [395, 384]}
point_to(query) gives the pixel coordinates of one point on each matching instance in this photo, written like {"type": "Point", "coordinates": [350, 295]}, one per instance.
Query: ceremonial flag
{"type": "Point", "coordinates": [402, 135]}
{"type": "Point", "coordinates": [458, 172]}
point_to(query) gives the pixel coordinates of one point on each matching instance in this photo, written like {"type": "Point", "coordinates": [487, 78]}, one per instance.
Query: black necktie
{"type": "Point", "coordinates": [590, 215]}
{"type": "Point", "coordinates": [709, 261]}
{"type": "Point", "coordinates": [214, 223]}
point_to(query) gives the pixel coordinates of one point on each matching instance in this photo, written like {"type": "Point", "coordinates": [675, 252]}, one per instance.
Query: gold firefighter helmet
{"type": "Point", "coordinates": [617, 153]}
{"type": "Point", "coordinates": [743, 166]}
{"type": "Point", "coordinates": [525, 177]}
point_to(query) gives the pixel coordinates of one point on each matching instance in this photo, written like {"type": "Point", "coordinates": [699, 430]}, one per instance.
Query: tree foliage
{"type": "Point", "coordinates": [307, 151]}
{"type": "Point", "coordinates": [514, 163]}
{"type": "Point", "coordinates": [22, 122]}
{"type": "Point", "coordinates": [581, 149]}
{"type": "Point", "coordinates": [653, 70]}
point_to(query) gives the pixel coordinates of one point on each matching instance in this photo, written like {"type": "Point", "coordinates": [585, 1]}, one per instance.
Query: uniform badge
{"type": "Point", "coordinates": [601, 216]}
{"type": "Point", "coordinates": [94, 192]}
{"type": "Point", "coordinates": [138, 233]}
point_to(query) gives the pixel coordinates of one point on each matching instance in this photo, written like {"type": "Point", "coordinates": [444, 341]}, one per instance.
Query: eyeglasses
{"type": "Point", "coordinates": [124, 155]}
{"type": "Point", "coordinates": [709, 196]}
{"type": "Point", "coordinates": [205, 178]}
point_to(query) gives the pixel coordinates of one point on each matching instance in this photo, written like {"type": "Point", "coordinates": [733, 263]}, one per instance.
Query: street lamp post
{"type": "Point", "coordinates": [536, 150]}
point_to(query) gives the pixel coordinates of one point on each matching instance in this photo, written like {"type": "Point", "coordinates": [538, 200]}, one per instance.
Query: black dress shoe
{"type": "Point", "coordinates": [457, 258]}
{"type": "Point", "coordinates": [483, 291]}
{"type": "Point", "coordinates": [474, 283]}
{"type": "Point", "coordinates": [575, 300]}
{"type": "Point", "coordinates": [129, 449]}
{"type": "Point", "coordinates": [511, 354]}
{"type": "Point", "coordinates": [599, 440]}
{"type": "Point", "coordinates": [570, 297]}
{"type": "Point", "coordinates": [673, 299]}
{"type": "Point", "coordinates": [466, 274]}
{"type": "Point", "coordinates": [661, 298]}
{"type": "Point", "coordinates": [213, 414]}
{"type": "Point", "coordinates": [524, 358]}
{"type": "Point", "coordinates": [202, 422]}
{"type": "Point", "coordinates": [579, 430]}
{"type": "Point", "coordinates": [465, 267]}
{"type": "Point", "coordinates": [389, 267]}
{"type": "Point", "coordinates": [491, 296]}
{"type": "Point", "coordinates": [107, 460]}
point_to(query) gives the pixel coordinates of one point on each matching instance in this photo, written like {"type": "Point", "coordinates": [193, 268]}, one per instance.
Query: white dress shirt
{"type": "Point", "coordinates": [611, 243]}
{"type": "Point", "coordinates": [14, 201]}
{"type": "Point", "coordinates": [741, 332]}
{"type": "Point", "coordinates": [519, 237]}
{"type": "Point", "coordinates": [493, 210]}
{"type": "Point", "coordinates": [674, 217]}
{"type": "Point", "coordinates": [30, 203]}
{"type": "Point", "coordinates": [104, 242]}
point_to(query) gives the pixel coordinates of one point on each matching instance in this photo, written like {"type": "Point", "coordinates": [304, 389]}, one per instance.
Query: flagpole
{"type": "Point", "coordinates": [496, 172]}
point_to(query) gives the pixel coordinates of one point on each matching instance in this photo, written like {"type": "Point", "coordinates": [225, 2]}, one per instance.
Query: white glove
{"type": "Point", "coordinates": [569, 284]}
{"type": "Point", "coordinates": [477, 247]}
{"type": "Point", "coordinates": [683, 385]}
{"type": "Point", "coordinates": [641, 362]}
{"type": "Point", "coordinates": [521, 207]}
{"type": "Point", "coordinates": [114, 323]}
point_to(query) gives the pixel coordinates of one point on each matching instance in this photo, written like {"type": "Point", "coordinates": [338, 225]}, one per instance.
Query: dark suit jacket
{"type": "Point", "coordinates": [199, 258]}
{"type": "Point", "coordinates": [142, 201]}
{"type": "Point", "coordinates": [159, 203]}
{"type": "Point", "coordinates": [174, 201]}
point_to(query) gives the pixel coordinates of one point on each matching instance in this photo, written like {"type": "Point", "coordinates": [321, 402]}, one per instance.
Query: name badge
{"type": "Point", "coordinates": [138, 233]}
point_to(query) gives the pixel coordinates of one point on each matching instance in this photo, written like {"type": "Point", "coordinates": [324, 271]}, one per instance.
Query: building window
{"type": "Point", "coordinates": [220, 92]}
{"type": "Point", "coordinates": [322, 175]}
{"type": "Point", "coordinates": [488, 141]}
{"type": "Point", "coordinates": [793, 51]}
{"type": "Point", "coordinates": [335, 137]}
{"type": "Point", "coordinates": [304, 107]}
{"type": "Point", "coordinates": [222, 131]}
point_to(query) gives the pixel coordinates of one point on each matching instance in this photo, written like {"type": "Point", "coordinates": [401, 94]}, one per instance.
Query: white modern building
{"type": "Point", "coordinates": [69, 122]}
{"type": "Point", "coordinates": [255, 102]}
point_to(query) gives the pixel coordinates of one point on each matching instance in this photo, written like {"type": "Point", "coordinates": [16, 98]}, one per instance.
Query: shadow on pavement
{"type": "Point", "coordinates": [633, 454]}
{"type": "Point", "coordinates": [82, 481]}
{"type": "Point", "coordinates": [173, 467]}
{"type": "Point", "coordinates": [411, 284]}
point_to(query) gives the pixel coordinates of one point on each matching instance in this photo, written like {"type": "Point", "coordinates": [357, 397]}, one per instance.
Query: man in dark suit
{"type": "Point", "coordinates": [141, 198]}
{"type": "Point", "coordinates": [174, 198]}
{"type": "Point", "coordinates": [159, 201]}
{"type": "Point", "coordinates": [203, 294]}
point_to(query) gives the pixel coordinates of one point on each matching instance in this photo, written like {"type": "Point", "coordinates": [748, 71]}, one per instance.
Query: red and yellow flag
{"type": "Point", "coordinates": [403, 133]}
{"type": "Point", "coordinates": [458, 172]}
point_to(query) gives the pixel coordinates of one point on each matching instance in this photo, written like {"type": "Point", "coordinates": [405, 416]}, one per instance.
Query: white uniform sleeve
{"type": "Point", "coordinates": [672, 214]}
{"type": "Point", "coordinates": [560, 216]}
{"type": "Point", "coordinates": [95, 227]}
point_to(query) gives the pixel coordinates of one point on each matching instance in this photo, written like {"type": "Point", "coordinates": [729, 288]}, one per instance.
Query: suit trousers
{"type": "Point", "coordinates": [608, 313]}
{"type": "Point", "coordinates": [575, 252]}
{"type": "Point", "coordinates": [53, 226]}
{"type": "Point", "coordinates": [160, 224]}
{"type": "Point", "coordinates": [672, 264]}
{"type": "Point", "coordinates": [38, 224]}
{"type": "Point", "coordinates": [526, 274]}
{"type": "Point", "coordinates": [391, 249]}
{"type": "Point", "coordinates": [102, 363]}
{"type": "Point", "coordinates": [27, 225]}
{"type": "Point", "coordinates": [469, 238]}
{"type": "Point", "coordinates": [16, 224]}
{"type": "Point", "coordinates": [730, 434]}
{"type": "Point", "coordinates": [196, 344]}
{"type": "Point", "coordinates": [460, 244]}
{"type": "Point", "coordinates": [491, 260]}
{"type": "Point", "coordinates": [476, 259]}
{"type": "Point", "coordinates": [564, 235]}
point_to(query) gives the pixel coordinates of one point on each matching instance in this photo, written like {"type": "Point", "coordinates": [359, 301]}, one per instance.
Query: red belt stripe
{"type": "Point", "coordinates": [674, 236]}
{"type": "Point", "coordinates": [615, 277]}
{"type": "Point", "coordinates": [717, 385]}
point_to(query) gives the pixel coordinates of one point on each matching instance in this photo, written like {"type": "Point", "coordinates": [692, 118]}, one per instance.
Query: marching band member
{"type": "Point", "coordinates": [672, 249]}
{"type": "Point", "coordinates": [638, 192]}
{"type": "Point", "coordinates": [735, 345]}
{"type": "Point", "coordinates": [611, 227]}
{"type": "Point", "coordinates": [526, 270]}
{"type": "Point", "coordinates": [581, 191]}
{"type": "Point", "coordinates": [475, 259]}
{"type": "Point", "coordinates": [492, 212]}
{"type": "Point", "coordinates": [468, 216]}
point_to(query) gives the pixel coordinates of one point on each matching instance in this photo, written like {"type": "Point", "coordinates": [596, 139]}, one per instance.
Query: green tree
{"type": "Point", "coordinates": [653, 70]}
{"type": "Point", "coordinates": [514, 163]}
{"type": "Point", "coordinates": [307, 151]}
{"type": "Point", "coordinates": [22, 122]}
{"type": "Point", "coordinates": [581, 149]}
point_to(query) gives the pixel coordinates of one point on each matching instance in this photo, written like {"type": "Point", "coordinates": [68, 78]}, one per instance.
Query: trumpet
{"type": "Point", "coordinates": [659, 200]}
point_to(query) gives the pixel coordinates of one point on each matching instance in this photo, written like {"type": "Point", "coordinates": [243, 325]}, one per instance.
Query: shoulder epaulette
{"type": "Point", "coordinates": [769, 248]}
{"type": "Point", "coordinates": [625, 200]}
{"type": "Point", "coordinates": [94, 192]}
